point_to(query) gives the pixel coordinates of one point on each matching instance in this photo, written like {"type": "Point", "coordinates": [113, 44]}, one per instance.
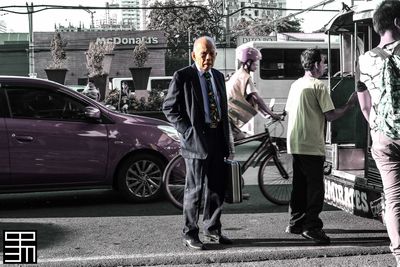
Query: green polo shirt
{"type": "Point", "coordinates": [307, 102]}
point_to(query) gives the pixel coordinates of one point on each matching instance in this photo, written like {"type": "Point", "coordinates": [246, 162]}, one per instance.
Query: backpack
{"type": "Point", "coordinates": [388, 110]}
{"type": "Point", "coordinates": [240, 110]}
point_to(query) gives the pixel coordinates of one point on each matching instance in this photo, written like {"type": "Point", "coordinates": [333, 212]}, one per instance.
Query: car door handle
{"type": "Point", "coordinates": [22, 138]}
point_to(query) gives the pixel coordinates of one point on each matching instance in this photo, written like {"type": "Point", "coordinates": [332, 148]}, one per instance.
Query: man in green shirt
{"type": "Point", "coordinates": [308, 106]}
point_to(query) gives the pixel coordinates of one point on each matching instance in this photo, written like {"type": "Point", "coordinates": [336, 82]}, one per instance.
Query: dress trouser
{"type": "Point", "coordinates": [386, 153]}
{"type": "Point", "coordinates": [207, 175]}
{"type": "Point", "coordinates": [307, 198]}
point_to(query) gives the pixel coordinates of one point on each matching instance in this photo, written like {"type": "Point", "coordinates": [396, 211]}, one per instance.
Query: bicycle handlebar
{"type": "Point", "coordinates": [267, 125]}
{"type": "Point", "coordinates": [282, 118]}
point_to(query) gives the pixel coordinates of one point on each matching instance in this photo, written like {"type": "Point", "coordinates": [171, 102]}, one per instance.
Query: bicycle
{"type": "Point", "coordinates": [275, 172]}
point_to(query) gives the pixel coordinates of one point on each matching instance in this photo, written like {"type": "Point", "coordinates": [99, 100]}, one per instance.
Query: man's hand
{"type": "Point", "coordinates": [231, 156]}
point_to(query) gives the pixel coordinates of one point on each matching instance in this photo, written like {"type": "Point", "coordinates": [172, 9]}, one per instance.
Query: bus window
{"type": "Point", "coordinates": [278, 63]}
{"type": "Point", "coordinates": [272, 64]}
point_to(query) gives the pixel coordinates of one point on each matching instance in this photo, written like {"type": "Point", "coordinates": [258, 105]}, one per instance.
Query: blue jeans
{"type": "Point", "coordinates": [386, 153]}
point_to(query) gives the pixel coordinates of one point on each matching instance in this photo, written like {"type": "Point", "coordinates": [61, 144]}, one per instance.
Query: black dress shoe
{"type": "Point", "coordinates": [317, 235]}
{"type": "Point", "coordinates": [193, 243]}
{"type": "Point", "coordinates": [218, 238]}
{"type": "Point", "coordinates": [294, 230]}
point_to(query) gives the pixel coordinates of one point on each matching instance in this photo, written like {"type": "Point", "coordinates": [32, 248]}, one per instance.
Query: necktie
{"type": "Point", "coordinates": [212, 103]}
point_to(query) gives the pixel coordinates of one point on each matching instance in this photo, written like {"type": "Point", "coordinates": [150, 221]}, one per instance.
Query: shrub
{"type": "Point", "coordinates": [153, 103]}
{"type": "Point", "coordinates": [58, 54]}
{"type": "Point", "coordinates": [95, 56]}
{"type": "Point", "coordinates": [140, 54]}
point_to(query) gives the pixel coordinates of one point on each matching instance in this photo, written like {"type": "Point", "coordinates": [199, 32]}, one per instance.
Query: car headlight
{"type": "Point", "coordinates": [170, 131]}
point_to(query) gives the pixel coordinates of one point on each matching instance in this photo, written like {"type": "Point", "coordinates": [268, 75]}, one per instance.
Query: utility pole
{"type": "Point", "coordinates": [31, 49]}
{"type": "Point", "coordinates": [227, 26]}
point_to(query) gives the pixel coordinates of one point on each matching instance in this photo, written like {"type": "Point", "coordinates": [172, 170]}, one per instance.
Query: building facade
{"type": "Point", "coordinates": [248, 10]}
{"type": "Point", "coordinates": [133, 16]}
{"type": "Point", "coordinates": [122, 59]}
{"type": "Point", "coordinates": [13, 53]}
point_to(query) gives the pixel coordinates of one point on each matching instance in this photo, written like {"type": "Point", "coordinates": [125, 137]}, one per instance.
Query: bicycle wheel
{"type": "Point", "coordinates": [174, 181]}
{"type": "Point", "coordinates": [276, 184]}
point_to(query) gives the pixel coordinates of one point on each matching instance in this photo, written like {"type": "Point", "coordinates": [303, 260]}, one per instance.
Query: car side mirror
{"type": "Point", "coordinates": [92, 112]}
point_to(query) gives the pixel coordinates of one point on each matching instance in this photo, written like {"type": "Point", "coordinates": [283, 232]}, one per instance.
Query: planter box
{"type": "Point", "coordinates": [56, 75]}
{"type": "Point", "coordinates": [140, 77]}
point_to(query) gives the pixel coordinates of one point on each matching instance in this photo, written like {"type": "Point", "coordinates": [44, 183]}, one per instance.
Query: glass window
{"type": "Point", "coordinates": [40, 103]}
{"type": "Point", "coordinates": [131, 86]}
{"type": "Point", "coordinates": [160, 85]}
{"type": "Point", "coordinates": [3, 104]}
{"type": "Point", "coordinates": [285, 63]}
{"type": "Point", "coordinates": [256, 10]}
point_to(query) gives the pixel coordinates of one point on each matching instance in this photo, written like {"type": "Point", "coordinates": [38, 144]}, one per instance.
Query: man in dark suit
{"type": "Point", "coordinates": [196, 105]}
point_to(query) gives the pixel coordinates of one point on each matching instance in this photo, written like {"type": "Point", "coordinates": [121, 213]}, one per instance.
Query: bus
{"type": "Point", "coordinates": [279, 67]}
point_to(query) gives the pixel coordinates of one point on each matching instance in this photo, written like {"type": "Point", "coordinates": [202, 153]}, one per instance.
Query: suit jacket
{"type": "Point", "coordinates": [184, 108]}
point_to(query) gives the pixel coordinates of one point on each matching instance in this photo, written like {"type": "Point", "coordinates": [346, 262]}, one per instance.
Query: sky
{"type": "Point", "coordinates": [45, 20]}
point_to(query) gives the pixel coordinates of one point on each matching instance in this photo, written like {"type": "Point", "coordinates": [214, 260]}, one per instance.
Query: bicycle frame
{"type": "Point", "coordinates": [266, 156]}
{"type": "Point", "coordinates": [264, 150]}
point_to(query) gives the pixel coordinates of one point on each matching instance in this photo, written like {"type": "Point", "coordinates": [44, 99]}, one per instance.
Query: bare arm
{"type": "Point", "coordinates": [262, 106]}
{"type": "Point", "coordinates": [339, 112]}
{"type": "Point", "coordinates": [364, 98]}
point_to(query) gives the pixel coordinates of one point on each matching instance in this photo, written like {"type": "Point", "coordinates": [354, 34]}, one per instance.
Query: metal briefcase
{"type": "Point", "coordinates": [233, 193]}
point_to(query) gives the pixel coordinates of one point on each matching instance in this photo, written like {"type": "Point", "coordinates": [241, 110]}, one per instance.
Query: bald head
{"type": "Point", "coordinates": [204, 39]}
{"type": "Point", "coordinates": [204, 53]}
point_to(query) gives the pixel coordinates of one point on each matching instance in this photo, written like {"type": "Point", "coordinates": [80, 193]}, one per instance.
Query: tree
{"type": "Point", "coordinates": [265, 26]}
{"type": "Point", "coordinates": [289, 25]}
{"type": "Point", "coordinates": [183, 23]}
{"type": "Point", "coordinates": [177, 23]}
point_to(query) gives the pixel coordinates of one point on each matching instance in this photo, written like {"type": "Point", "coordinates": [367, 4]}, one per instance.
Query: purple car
{"type": "Point", "coordinates": [53, 138]}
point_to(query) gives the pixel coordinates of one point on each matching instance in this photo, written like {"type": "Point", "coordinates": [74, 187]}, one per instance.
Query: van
{"type": "Point", "coordinates": [155, 83]}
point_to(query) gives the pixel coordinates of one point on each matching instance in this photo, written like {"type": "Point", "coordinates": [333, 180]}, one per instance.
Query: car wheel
{"type": "Point", "coordinates": [140, 178]}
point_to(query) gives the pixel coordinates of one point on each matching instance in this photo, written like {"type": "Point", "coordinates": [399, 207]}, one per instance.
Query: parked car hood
{"type": "Point", "coordinates": [135, 119]}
